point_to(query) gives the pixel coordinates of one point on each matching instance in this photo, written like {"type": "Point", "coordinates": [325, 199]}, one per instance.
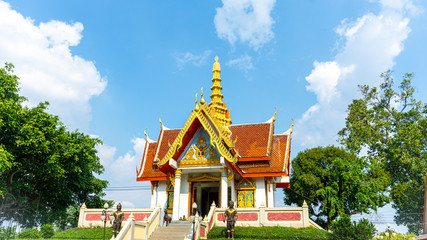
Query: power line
{"type": "Point", "coordinates": [129, 188]}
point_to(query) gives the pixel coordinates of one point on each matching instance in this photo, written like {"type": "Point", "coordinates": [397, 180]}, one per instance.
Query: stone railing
{"type": "Point", "coordinates": [91, 217]}
{"type": "Point", "coordinates": [207, 223]}
{"type": "Point", "coordinates": [140, 230]}
{"type": "Point", "coordinates": [257, 217]}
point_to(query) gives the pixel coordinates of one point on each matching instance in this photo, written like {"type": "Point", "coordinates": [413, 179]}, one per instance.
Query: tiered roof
{"type": "Point", "coordinates": [249, 149]}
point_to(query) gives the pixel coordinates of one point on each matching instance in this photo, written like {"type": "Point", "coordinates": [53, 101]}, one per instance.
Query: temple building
{"type": "Point", "coordinates": [211, 160]}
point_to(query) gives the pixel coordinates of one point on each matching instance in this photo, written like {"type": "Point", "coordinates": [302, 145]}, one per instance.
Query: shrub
{"type": "Point", "coordinates": [47, 231]}
{"type": "Point", "coordinates": [32, 233]}
{"type": "Point", "coordinates": [7, 233]}
{"type": "Point", "coordinates": [344, 229]}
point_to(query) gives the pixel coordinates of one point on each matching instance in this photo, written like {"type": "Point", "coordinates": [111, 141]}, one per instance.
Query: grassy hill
{"type": "Point", "coordinates": [242, 233]}
{"type": "Point", "coordinates": [271, 233]}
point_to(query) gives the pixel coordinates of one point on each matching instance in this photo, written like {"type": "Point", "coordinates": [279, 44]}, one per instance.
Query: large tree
{"type": "Point", "coordinates": [44, 167]}
{"type": "Point", "coordinates": [391, 126]}
{"type": "Point", "coordinates": [335, 182]}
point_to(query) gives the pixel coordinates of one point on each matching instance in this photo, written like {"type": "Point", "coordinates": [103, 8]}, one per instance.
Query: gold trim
{"type": "Point", "coordinates": [172, 179]}
{"type": "Point", "coordinates": [216, 140]}
{"type": "Point", "coordinates": [230, 177]}
{"type": "Point", "coordinates": [195, 163]}
{"type": "Point", "coordinates": [204, 178]}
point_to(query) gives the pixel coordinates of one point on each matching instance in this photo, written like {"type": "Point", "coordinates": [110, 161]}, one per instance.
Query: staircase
{"type": "Point", "coordinates": [175, 230]}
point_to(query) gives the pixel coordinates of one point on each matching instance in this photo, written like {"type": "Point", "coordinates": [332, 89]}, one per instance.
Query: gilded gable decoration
{"type": "Point", "coordinates": [201, 148]}
{"type": "Point", "coordinates": [204, 178]}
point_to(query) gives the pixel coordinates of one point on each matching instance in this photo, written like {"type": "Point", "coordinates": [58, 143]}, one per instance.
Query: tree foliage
{"type": "Point", "coordinates": [44, 167]}
{"type": "Point", "coordinates": [335, 182]}
{"type": "Point", "coordinates": [392, 126]}
{"type": "Point", "coordinates": [344, 229]}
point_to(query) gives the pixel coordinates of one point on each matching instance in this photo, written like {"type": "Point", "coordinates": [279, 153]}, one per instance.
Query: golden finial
{"type": "Point", "coordinates": [216, 66]}
{"type": "Point", "coordinates": [160, 120]}
{"type": "Point", "coordinates": [145, 133]}
{"type": "Point", "coordinates": [293, 122]}
{"type": "Point", "coordinates": [202, 101]}
{"type": "Point", "coordinates": [274, 115]}
{"type": "Point", "coordinates": [197, 105]}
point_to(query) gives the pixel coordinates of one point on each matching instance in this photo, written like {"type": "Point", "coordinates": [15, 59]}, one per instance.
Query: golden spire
{"type": "Point", "coordinates": [216, 88]}
{"type": "Point", "coordinates": [219, 109]}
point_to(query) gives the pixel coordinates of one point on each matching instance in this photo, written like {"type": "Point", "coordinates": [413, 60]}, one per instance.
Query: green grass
{"type": "Point", "coordinates": [81, 233]}
{"type": "Point", "coordinates": [84, 233]}
{"type": "Point", "coordinates": [271, 233]}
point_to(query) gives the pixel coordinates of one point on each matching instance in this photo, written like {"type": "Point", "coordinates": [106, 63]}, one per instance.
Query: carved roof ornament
{"type": "Point", "coordinates": [202, 100]}
{"type": "Point", "coordinates": [197, 104]}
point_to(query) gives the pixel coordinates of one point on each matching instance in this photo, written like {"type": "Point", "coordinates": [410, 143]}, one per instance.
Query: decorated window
{"type": "Point", "coordinates": [245, 193]}
{"type": "Point", "coordinates": [170, 191]}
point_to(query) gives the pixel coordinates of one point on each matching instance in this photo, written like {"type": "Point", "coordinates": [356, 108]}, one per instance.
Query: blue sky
{"type": "Point", "coordinates": [112, 68]}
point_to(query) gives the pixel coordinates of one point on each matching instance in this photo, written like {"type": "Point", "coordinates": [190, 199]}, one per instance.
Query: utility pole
{"type": "Point", "coordinates": [425, 208]}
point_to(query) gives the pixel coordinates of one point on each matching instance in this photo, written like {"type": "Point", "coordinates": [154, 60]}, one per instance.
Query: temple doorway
{"type": "Point", "coordinates": [204, 194]}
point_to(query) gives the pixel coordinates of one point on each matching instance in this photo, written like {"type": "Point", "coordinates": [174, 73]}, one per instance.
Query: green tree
{"type": "Point", "coordinates": [344, 229]}
{"type": "Point", "coordinates": [335, 182]}
{"type": "Point", "coordinates": [391, 125]}
{"type": "Point", "coordinates": [44, 167]}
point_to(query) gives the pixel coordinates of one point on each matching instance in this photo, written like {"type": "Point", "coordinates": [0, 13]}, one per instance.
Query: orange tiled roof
{"type": "Point", "coordinates": [166, 140]}
{"type": "Point", "coordinates": [252, 139]}
{"type": "Point", "coordinates": [276, 162]}
{"type": "Point", "coordinates": [148, 171]}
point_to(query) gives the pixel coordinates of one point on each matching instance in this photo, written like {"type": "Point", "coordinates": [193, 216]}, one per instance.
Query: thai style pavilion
{"type": "Point", "coordinates": [211, 160]}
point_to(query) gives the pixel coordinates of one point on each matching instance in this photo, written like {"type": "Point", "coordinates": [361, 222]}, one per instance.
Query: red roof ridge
{"type": "Point", "coordinates": [247, 124]}
{"type": "Point", "coordinates": [270, 138]}
{"type": "Point", "coordinates": [144, 159]}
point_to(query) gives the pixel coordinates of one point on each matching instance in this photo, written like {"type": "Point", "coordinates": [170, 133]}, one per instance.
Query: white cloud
{"type": "Point", "coordinates": [324, 79]}
{"type": "Point", "coordinates": [183, 59]}
{"type": "Point", "coordinates": [121, 172]}
{"type": "Point", "coordinates": [245, 20]}
{"type": "Point", "coordinates": [243, 63]}
{"type": "Point", "coordinates": [369, 47]}
{"type": "Point", "coordinates": [121, 169]}
{"type": "Point", "coordinates": [47, 68]}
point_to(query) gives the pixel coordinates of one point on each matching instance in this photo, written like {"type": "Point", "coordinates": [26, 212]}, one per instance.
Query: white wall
{"type": "Point", "coordinates": [260, 192]}
{"type": "Point", "coordinates": [161, 194]}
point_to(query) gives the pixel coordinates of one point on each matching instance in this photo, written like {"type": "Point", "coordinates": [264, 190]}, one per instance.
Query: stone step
{"type": "Point", "coordinates": [177, 230]}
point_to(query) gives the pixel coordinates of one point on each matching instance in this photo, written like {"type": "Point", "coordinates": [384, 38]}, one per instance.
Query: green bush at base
{"type": "Point", "coordinates": [31, 234]}
{"type": "Point", "coordinates": [84, 233]}
{"type": "Point", "coordinates": [47, 231]}
{"type": "Point", "coordinates": [271, 233]}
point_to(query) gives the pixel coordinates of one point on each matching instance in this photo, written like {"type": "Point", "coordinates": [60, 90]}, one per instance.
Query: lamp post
{"type": "Point", "coordinates": [104, 217]}
{"type": "Point", "coordinates": [194, 207]}
{"type": "Point", "coordinates": [192, 218]}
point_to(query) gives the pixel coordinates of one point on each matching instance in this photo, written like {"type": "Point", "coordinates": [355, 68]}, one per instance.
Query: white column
{"type": "Point", "coordinates": [176, 195]}
{"type": "Point", "coordinates": [233, 191]}
{"type": "Point", "coordinates": [183, 202]}
{"type": "Point", "coordinates": [260, 192]}
{"type": "Point", "coordinates": [154, 185]}
{"type": "Point", "coordinates": [161, 194]}
{"type": "Point", "coordinates": [224, 187]}
{"type": "Point", "coordinates": [270, 194]}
